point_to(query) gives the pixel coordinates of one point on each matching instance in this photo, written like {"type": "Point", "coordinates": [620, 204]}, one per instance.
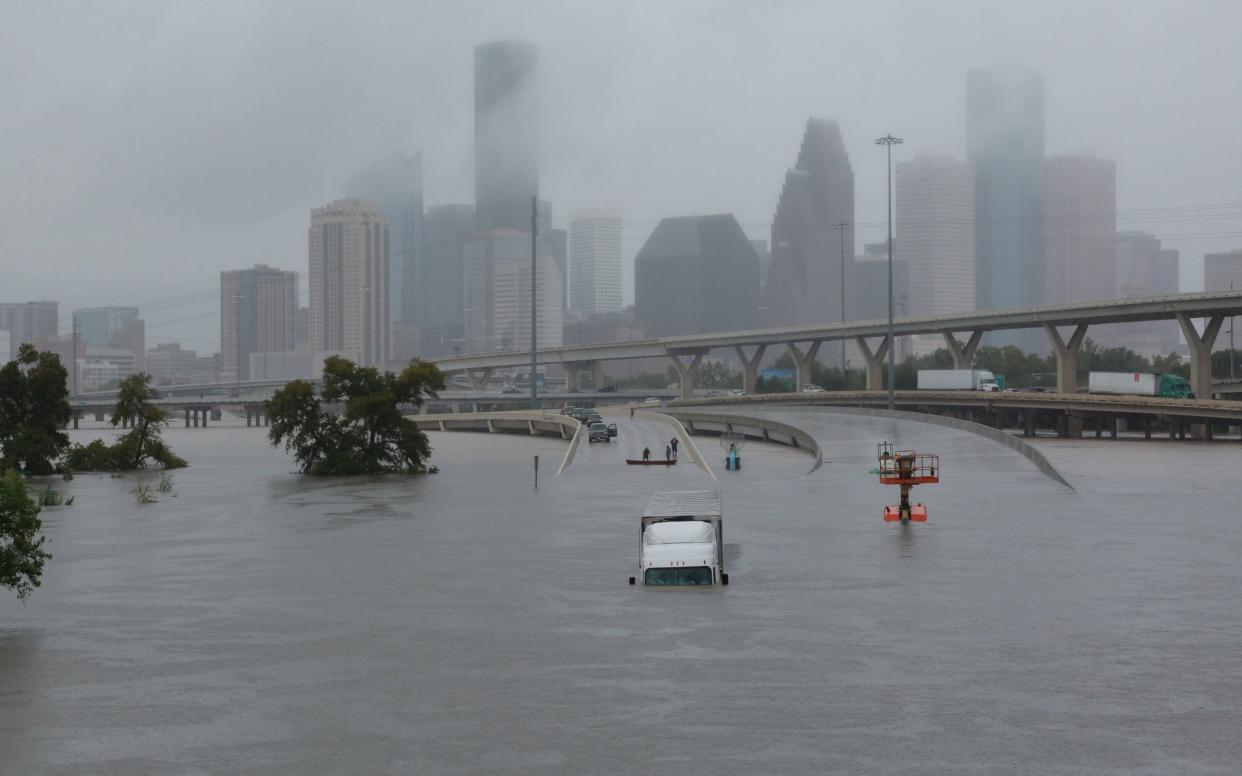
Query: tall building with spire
{"type": "Point", "coordinates": [804, 282]}
{"type": "Point", "coordinates": [506, 134]}
{"type": "Point", "coordinates": [349, 270]}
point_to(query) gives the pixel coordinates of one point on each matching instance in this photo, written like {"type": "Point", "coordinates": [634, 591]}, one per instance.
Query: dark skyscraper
{"type": "Point", "coordinates": [446, 230]}
{"type": "Point", "coordinates": [696, 274]}
{"type": "Point", "coordinates": [506, 135]}
{"type": "Point", "coordinates": [1005, 143]}
{"type": "Point", "coordinates": [395, 184]}
{"type": "Point", "coordinates": [804, 274]}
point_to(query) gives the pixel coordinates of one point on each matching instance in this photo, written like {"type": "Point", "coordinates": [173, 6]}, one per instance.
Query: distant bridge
{"type": "Point", "coordinates": [803, 342]}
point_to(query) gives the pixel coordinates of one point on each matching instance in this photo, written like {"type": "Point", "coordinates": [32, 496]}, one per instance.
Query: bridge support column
{"type": "Point", "coordinates": [1067, 357]}
{"type": "Point", "coordinates": [687, 372]}
{"type": "Point", "coordinates": [478, 377]}
{"type": "Point", "coordinates": [750, 366]}
{"type": "Point", "coordinates": [573, 370]}
{"type": "Point", "coordinates": [187, 419]}
{"type": "Point", "coordinates": [76, 416]}
{"type": "Point", "coordinates": [597, 375]}
{"type": "Point", "coordinates": [1201, 352]}
{"type": "Point", "coordinates": [804, 363]}
{"type": "Point", "coordinates": [206, 414]}
{"type": "Point", "coordinates": [875, 362]}
{"type": "Point", "coordinates": [963, 353]}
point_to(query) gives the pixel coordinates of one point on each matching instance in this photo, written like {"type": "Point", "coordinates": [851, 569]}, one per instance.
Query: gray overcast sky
{"type": "Point", "coordinates": [145, 146]}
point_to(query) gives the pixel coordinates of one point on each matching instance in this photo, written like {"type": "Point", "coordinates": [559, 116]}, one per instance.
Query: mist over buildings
{"type": "Point", "coordinates": [147, 147]}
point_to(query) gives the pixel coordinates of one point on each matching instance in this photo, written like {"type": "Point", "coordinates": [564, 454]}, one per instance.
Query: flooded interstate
{"type": "Point", "coordinates": [463, 622]}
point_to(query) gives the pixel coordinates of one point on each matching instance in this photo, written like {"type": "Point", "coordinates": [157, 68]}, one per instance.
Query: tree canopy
{"type": "Point", "coordinates": [21, 543]}
{"type": "Point", "coordinates": [34, 407]}
{"type": "Point", "coordinates": [141, 445]}
{"type": "Point", "coordinates": [369, 434]}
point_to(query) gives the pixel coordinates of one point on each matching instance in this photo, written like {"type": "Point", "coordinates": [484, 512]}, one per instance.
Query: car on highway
{"type": "Point", "coordinates": [737, 392]}
{"type": "Point", "coordinates": [608, 389]}
{"type": "Point", "coordinates": [612, 429]}
{"type": "Point", "coordinates": [597, 432]}
{"type": "Point", "coordinates": [812, 389]}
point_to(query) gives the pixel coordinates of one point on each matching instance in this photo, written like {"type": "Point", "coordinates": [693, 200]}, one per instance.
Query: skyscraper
{"type": "Point", "coordinates": [446, 230]}
{"type": "Point", "coordinates": [1081, 225]}
{"type": "Point", "coordinates": [595, 262]}
{"type": "Point", "coordinates": [1144, 267]}
{"type": "Point", "coordinates": [935, 214]}
{"type": "Point", "coordinates": [257, 308]}
{"type": "Point", "coordinates": [96, 326]}
{"type": "Point", "coordinates": [1005, 143]}
{"type": "Point", "coordinates": [496, 285]}
{"type": "Point", "coordinates": [395, 185]}
{"type": "Point", "coordinates": [555, 243]}
{"type": "Point", "coordinates": [1222, 271]}
{"type": "Point", "coordinates": [349, 271]}
{"type": "Point", "coordinates": [804, 275]}
{"type": "Point", "coordinates": [506, 137]}
{"type": "Point", "coordinates": [28, 321]}
{"type": "Point", "coordinates": [696, 274]}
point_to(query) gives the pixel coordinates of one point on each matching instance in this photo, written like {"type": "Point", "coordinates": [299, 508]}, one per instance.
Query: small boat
{"type": "Point", "coordinates": [652, 462]}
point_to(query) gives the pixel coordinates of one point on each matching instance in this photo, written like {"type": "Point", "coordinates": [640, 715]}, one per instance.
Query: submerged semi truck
{"type": "Point", "coordinates": [1140, 384]}
{"type": "Point", "coordinates": [957, 380]}
{"type": "Point", "coordinates": [682, 540]}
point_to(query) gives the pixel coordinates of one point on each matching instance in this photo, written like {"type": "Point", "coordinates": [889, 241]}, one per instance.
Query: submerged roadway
{"type": "Point", "coordinates": [467, 623]}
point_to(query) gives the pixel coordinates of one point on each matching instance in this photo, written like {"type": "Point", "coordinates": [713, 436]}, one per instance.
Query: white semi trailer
{"type": "Point", "coordinates": [682, 540]}
{"type": "Point", "coordinates": [956, 380]}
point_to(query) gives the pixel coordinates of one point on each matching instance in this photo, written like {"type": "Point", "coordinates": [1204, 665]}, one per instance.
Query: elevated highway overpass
{"type": "Point", "coordinates": [1065, 325]}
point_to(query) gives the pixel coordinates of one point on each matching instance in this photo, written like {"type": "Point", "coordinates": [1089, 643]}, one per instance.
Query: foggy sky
{"type": "Point", "coordinates": [145, 146]}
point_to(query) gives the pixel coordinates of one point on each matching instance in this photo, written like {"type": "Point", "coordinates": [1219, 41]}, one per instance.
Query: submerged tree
{"type": "Point", "coordinates": [143, 443]}
{"type": "Point", "coordinates": [21, 543]}
{"type": "Point", "coordinates": [34, 407]}
{"type": "Point", "coordinates": [370, 435]}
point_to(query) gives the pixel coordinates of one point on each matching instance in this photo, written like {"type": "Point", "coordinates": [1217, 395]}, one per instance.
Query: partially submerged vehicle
{"type": "Point", "coordinates": [682, 540]}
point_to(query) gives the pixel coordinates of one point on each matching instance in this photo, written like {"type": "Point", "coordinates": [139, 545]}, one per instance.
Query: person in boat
{"type": "Point", "coordinates": [646, 453]}
{"type": "Point", "coordinates": [673, 442]}
{"type": "Point", "coordinates": [668, 452]}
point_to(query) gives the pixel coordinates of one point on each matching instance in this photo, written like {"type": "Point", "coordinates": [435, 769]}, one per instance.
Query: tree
{"type": "Point", "coordinates": [34, 407]}
{"type": "Point", "coordinates": [21, 543]}
{"type": "Point", "coordinates": [370, 435]}
{"type": "Point", "coordinates": [141, 444]}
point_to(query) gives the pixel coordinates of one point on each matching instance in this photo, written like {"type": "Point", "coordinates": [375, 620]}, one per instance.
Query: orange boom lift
{"type": "Point", "coordinates": [906, 468]}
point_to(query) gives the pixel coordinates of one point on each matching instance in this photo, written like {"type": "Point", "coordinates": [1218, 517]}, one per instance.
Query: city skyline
{"type": "Point", "coordinates": [150, 194]}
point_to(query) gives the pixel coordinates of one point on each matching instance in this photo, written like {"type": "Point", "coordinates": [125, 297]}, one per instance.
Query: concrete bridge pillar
{"type": "Point", "coordinates": [687, 372]}
{"type": "Point", "coordinates": [804, 363]}
{"type": "Point", "coordinates": [597, 375]}
{"type": "Point", "coordinates": [187, 417]}
{"type": "Point", "coordinates": [1200, 352]}
{"type": "Point", "coordinates": [875, 362]}
{"type": "Point", "coordinates": [573, 371]}
{"type": "Point", "coordinates": [478, 377]}
{"type": "Point", "coordinates": [963, 353]}
{"type": "Point", "coordinates": [1067, 356]}
{"type": "Point", "coordinates": [750, 366]}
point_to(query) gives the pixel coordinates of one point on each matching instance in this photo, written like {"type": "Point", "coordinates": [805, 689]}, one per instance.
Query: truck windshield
{"type": "Point", "coordinates": [683, 575]}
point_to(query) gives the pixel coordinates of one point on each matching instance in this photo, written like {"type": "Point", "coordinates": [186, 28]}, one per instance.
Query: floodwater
{"type": "Point", "coordinates": [263, 622]}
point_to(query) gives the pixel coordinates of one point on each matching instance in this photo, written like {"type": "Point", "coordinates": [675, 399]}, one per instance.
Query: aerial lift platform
{"type": "Point", "coordinates": [906, 468]}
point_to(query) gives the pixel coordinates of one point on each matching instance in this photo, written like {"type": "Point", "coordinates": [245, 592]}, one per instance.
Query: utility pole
{"type": "Point", "coordinates": [841, 227]}
{"type": "Point", "coordinates": [888, 141]}
{"type": "Point", "coordinates": [1232, 373]}
{"type": "Point", "coordinates": [534, 329]}
{"type": "Point", "coordinates": [73, 388]}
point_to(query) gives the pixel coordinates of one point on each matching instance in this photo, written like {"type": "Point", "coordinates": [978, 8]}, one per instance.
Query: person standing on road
{"type": "Point", "coordinates": [668, 452]}
{"type": "Point", "coordinates": [631, 410]}
{"type": "Point", "coordinates": [673, 443]}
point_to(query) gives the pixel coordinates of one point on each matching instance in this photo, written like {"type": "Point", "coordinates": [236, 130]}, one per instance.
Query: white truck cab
{"type": "Point", "coordinates": [682, 540]}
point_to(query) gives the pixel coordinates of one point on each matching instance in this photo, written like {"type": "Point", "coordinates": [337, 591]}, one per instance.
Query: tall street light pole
{"type": "Point", "coordinates": [888, 141]}
{"type": "Point", "coordinates": [534, 329]}
{"type": "Point", "coordinates": [841, 228]}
